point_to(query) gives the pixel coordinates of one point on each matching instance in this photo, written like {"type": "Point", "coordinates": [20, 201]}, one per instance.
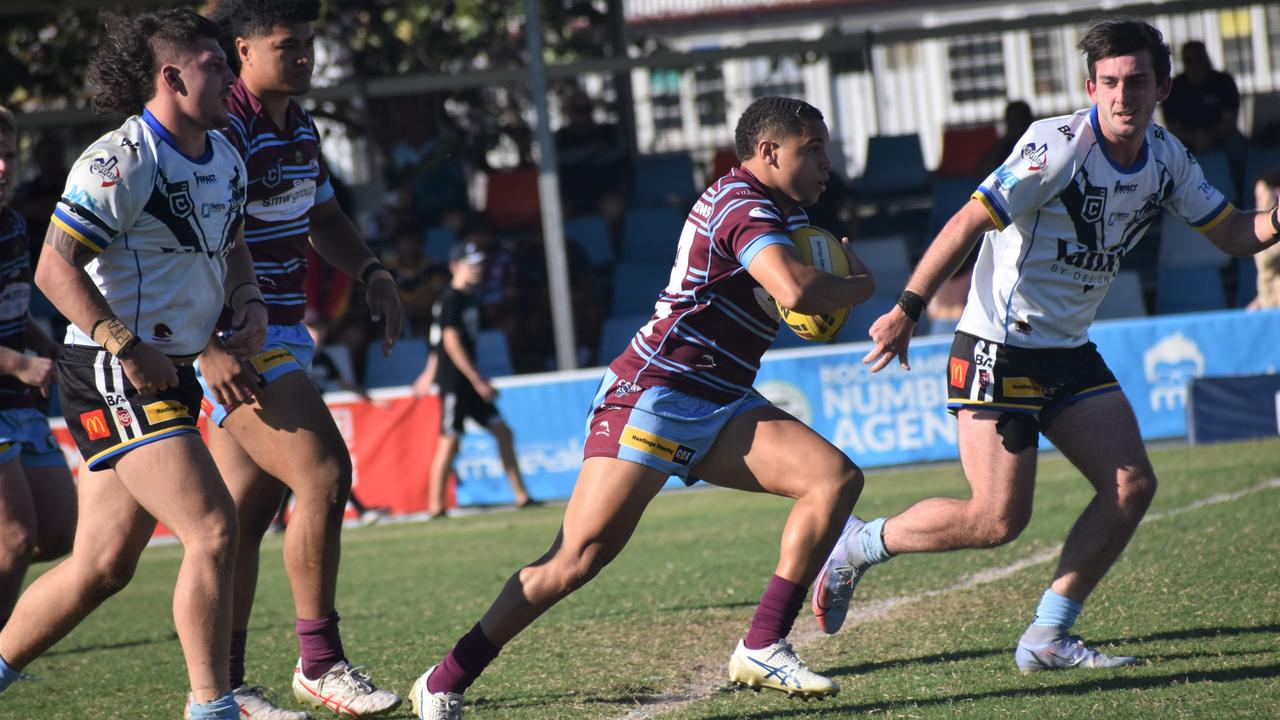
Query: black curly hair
{"type": "Point", "coordinates": [251, 18]}
{"type": "Point", "coordinates": [122, 70]}
{"type": "Point", "coordinates": [768, 115]}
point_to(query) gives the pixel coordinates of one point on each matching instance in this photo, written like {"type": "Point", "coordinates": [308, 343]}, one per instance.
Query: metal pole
{"type": "Point", "coordinates": [549, 196]}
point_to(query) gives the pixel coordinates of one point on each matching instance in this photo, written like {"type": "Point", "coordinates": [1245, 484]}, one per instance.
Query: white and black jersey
{"type": "Point", "coordinates": [162, 224]}
{"type": "Point", "coordinates": [1065, 214]}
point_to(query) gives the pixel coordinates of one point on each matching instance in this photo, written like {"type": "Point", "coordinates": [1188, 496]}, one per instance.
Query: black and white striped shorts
{"type": "Point", "coordinates": [105, 414]}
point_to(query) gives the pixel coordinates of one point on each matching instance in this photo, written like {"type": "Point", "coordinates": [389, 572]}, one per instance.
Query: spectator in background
{"type": "Point", "coordinates": [498, 292]}
{"type": "Point", "coordinates": [1202, 107]}
{"type": "Point", "coordinates": [595, 162]}
{"type": "Point", "coordinates": [417, 276]}
{"type": "Point", "coordinates": [427, 170]}
{"type": "Point", "coordinates": [36, 198]}
{"type": "Point", "coordinates": [464, 391]}
{"type": "Point", "coordinates": [1266, 193]}
{"type": "Point", "coordinates": [1017, 118]}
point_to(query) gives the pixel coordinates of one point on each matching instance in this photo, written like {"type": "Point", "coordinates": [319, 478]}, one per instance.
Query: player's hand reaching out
{"type": "Point", "coordinates": [891, 334]}
{"type": "Point", "coordinates": [231, 379]}
{"type": "Point", "coordinates": [383, 300]}
{"type": "Point", "coordinates": [149, 370]}
{"type": "Point", "coordinates": [36, 372]}
{"type": "Point", "coordinates": [250, 323]}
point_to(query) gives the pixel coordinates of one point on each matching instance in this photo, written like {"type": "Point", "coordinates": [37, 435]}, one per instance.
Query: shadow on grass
{"type": "Point", "coordinates": [1115, 680]}
{"type": "Point", "coordinates": [157, 640]}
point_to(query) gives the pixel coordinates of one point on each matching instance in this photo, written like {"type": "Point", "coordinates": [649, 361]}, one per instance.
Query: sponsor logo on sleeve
{"type": "Point", "coordinates": [165, 411]}
{"type": "Point", "coordinates": [105, 168]}
{"type": "Point", "coordinates": [95, 424]}
{"type": "Point", "coordinates": [1005, 179]}
{"type": "Point", "coordinates": [1037, 156]}
{"type": "Point", "coordinates": [1066, 132]}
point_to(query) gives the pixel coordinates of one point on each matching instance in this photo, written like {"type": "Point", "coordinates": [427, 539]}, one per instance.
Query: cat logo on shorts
{"type": "Point", "coordinates": [95, 425]}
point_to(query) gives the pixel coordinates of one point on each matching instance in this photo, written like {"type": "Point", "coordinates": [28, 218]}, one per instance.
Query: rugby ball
{"type": "Point", "coordinates": [818, 248]}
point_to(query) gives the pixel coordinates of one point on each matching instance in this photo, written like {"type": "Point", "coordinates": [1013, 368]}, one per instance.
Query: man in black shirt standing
{"type": "Point", "coordinates": [464, 391]}
{"type": "Point", "coordinates": [1203, 105]}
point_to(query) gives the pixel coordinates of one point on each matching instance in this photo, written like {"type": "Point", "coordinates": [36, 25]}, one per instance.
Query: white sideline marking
{"type": "Point", "coordinates": [711, 677]}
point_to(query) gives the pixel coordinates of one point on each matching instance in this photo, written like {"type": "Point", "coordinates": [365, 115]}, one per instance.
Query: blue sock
{"type": "Point", "coordinates": [872, 538]}
{"type": "Point", "coordinates": [8, 675]}
{"type": "Point", "coordinates": [224, 708]}
{"type": "Point", "coordinates": [1055, 609]}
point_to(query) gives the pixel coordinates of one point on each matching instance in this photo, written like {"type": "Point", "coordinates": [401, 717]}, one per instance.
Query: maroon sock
{"type": "Point", "coordinates": [239, 638]}
{"type": "Point", "coordinates": [464, 663]}
{"type": "Point", "coordinates": [778, 609]}
{"type": "Point", "coordinates": [320, 645]}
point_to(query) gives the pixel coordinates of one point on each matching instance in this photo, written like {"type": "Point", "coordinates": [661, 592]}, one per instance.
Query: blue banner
{"type": "Point", "coordinates": [888, 418]}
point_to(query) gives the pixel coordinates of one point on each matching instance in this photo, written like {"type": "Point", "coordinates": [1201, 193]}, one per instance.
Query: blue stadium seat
{"type": "Point", "coordinates": [659, 180]}
{"type": "Point", "coordinates": [592, 234]}
{"type": "Point", "coordinates": [1257, 163]}
{"type": "Point", "coordinates": [895, 165]}
{"type": "Point", "coordinates": [941, 327]}
{"type": "Point", "coordinates": [636, 284]}
{"type": "Point", "coordinates": [1183, 246]}
{"type": "Point", "coordinates": [949, 195]}
{"type": "Point", "coordinates": [1189, 289]}
{"type": "Point", "coordinates": [1123, 298]}
{"type": "Point", "coordinates": [616, 333]}
{"type": "Point", "coordinates": [439, 240]}
{"type": "Point", "coordinates": [652, 233]}
{"type": "Point", "coordinates": [887, 258]}
{"type": "Point", "coordinates": [1217, 170]}
{"type": "Point", "coordinates": [1246, 281]}
{"type": "Point", "coordinates": [493, 357]}
{"type": "Point", "coordinates": [407, 360]}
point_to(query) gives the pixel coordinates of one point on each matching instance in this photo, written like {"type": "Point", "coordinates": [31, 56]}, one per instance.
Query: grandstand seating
{"type": "Point", "coordinates": [949, 195]}
{"type": "Point", "coordinates": [1246, 281]}
{"type": "Point", "coordinates": [592, 234]}
{"type": "Point", "coordinates": [616, 332]}
{"type": "Point", "coordinates": [659, 180]}
{"type": "Point", "coordinates": [962, 148]}
{"type": "Point", "coordinates": [636, 284]}
{"type": "Point", "coordinates": [1258, 162]}
{"type": "Point", "coordinates": [1124, 298]}
{"type": "Point", "coordinates": [1189, 289]}
{"type": "Point", "coordinates": [864, 314]}
{"type": "Point", "coordinates": [895, 166]}
{"type": "Point", "coordinates": [493, 356]}
{"type": "Point", "coordinates": [887, 258]}
{"type": "Point", "coordinates": [1183, 246]}
{"type": "Point", "coordinates": [512, 200]}
{"type": "Point", "coordinates": [652, 233]}
{"type": "Point", "coordinates": [1217, 170]}
{"type": "Point", "coordinates": [407, 360]}
{"type": "Point", "coordinates": [725, 160]}
{"type": "Point", "coordinates": [439, 240]}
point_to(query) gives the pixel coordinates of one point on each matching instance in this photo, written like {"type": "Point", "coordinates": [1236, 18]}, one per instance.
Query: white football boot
{"type": "Point", "coordinates": [434, 706]}
{"type": "Point", "coordinates": [345, 690]}
{"type": "Point", "coordinates": [779, 668]}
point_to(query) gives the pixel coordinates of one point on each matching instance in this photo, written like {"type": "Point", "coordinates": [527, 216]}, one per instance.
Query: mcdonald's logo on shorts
{"type": "Point", "coordinates": [957, 372]}
{"type": "Point", "coordinates": [95, 425]}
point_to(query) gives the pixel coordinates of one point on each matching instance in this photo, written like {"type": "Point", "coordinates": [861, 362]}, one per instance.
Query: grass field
{"type": "Point", "coordinates": [1197, 595]}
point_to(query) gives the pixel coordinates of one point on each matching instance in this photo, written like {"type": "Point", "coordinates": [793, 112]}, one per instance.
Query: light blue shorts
{"type": "Point", "coordinates": [286, 349]}
{"type": "Point", "coordinates": [658, 427]}
{"type": "Point", "coordinates": [24, 433]}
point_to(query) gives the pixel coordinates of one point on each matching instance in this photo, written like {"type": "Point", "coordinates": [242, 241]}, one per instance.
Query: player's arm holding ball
{"type": "Point", "coordinates": [807, 289]}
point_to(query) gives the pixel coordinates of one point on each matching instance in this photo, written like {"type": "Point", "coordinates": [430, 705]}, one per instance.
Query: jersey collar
{"type": "Point", "coordinates": [1138, 162]}
{"type": "Point", "coordinates": [169, 140]}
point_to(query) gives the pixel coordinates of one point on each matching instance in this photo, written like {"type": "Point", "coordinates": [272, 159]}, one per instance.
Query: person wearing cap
{"type": "Point", "coordinates": [464, 391]}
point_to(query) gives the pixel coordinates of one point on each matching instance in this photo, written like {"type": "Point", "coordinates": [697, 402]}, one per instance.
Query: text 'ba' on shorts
{"type": "Point", "coordinates": [986, 375]}
{"type": "Point", "coordinates": [658, 427]}
{"type": "Point", "coordinates": [105, 414]}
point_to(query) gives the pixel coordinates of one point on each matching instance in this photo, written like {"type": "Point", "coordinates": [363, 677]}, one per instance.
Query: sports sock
{"type": "Point", "coordinates": [8, 675]}
{"type": "Point", "coordinates": [1054, 617]}
{"type": "Point", "coordinates": [464, 663]}
{"type": "Point", "coordinates": [239, 638]}
{"type": "Point", "coordinates": [778, 609]}
{"type": "Point", "coordinates": [868, 545]}
{"type": "Point", "coordinates": [320, 645]}
{"type": "Point", "coordinates": [224, 708]}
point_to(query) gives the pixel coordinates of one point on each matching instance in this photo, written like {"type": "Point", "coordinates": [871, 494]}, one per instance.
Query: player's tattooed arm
{"type": "Point", "coordinates": [72, 250]}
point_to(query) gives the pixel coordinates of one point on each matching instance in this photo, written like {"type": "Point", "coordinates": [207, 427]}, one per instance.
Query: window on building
{"type": "Point", "coordinates": [1046, 62]}
{"type": "Point", "coordinates": [709, 95]}
{"type": "Point", "coordinates": [1273, 36]}
{"type": "Point", "coordinates": [977, 67]}
{"type": "Point", "coordinates": [664, 93]}
{"type": "Point", "coordinates": [775, 76]}
{"type": "Point", "coordinates": [1237, 41]}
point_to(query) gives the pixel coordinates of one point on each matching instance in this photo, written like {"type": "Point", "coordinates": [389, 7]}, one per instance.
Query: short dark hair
{"type": "Point", "coordinates": [8, 126]}
{"type": "Point", "coordinates": [251, 18]}
{"type": "Point", "coordinates": [122, 70]}
{"type": "Point", "coordinates": [771, 114]}
{"type": "Point", "coordinates": [1126, 35]}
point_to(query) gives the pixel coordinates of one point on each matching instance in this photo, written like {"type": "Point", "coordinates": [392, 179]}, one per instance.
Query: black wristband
{"type": "Point", "coordinates": [911, 304]}
{"type": "Point", "coordinates": [127, 348]}
{"type": "Point", "coordinates": [1275, 222]}
{"type": "Point", "coordinates": [253, 300]}
{"type": "Point", "coordinates": [369, 270]}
